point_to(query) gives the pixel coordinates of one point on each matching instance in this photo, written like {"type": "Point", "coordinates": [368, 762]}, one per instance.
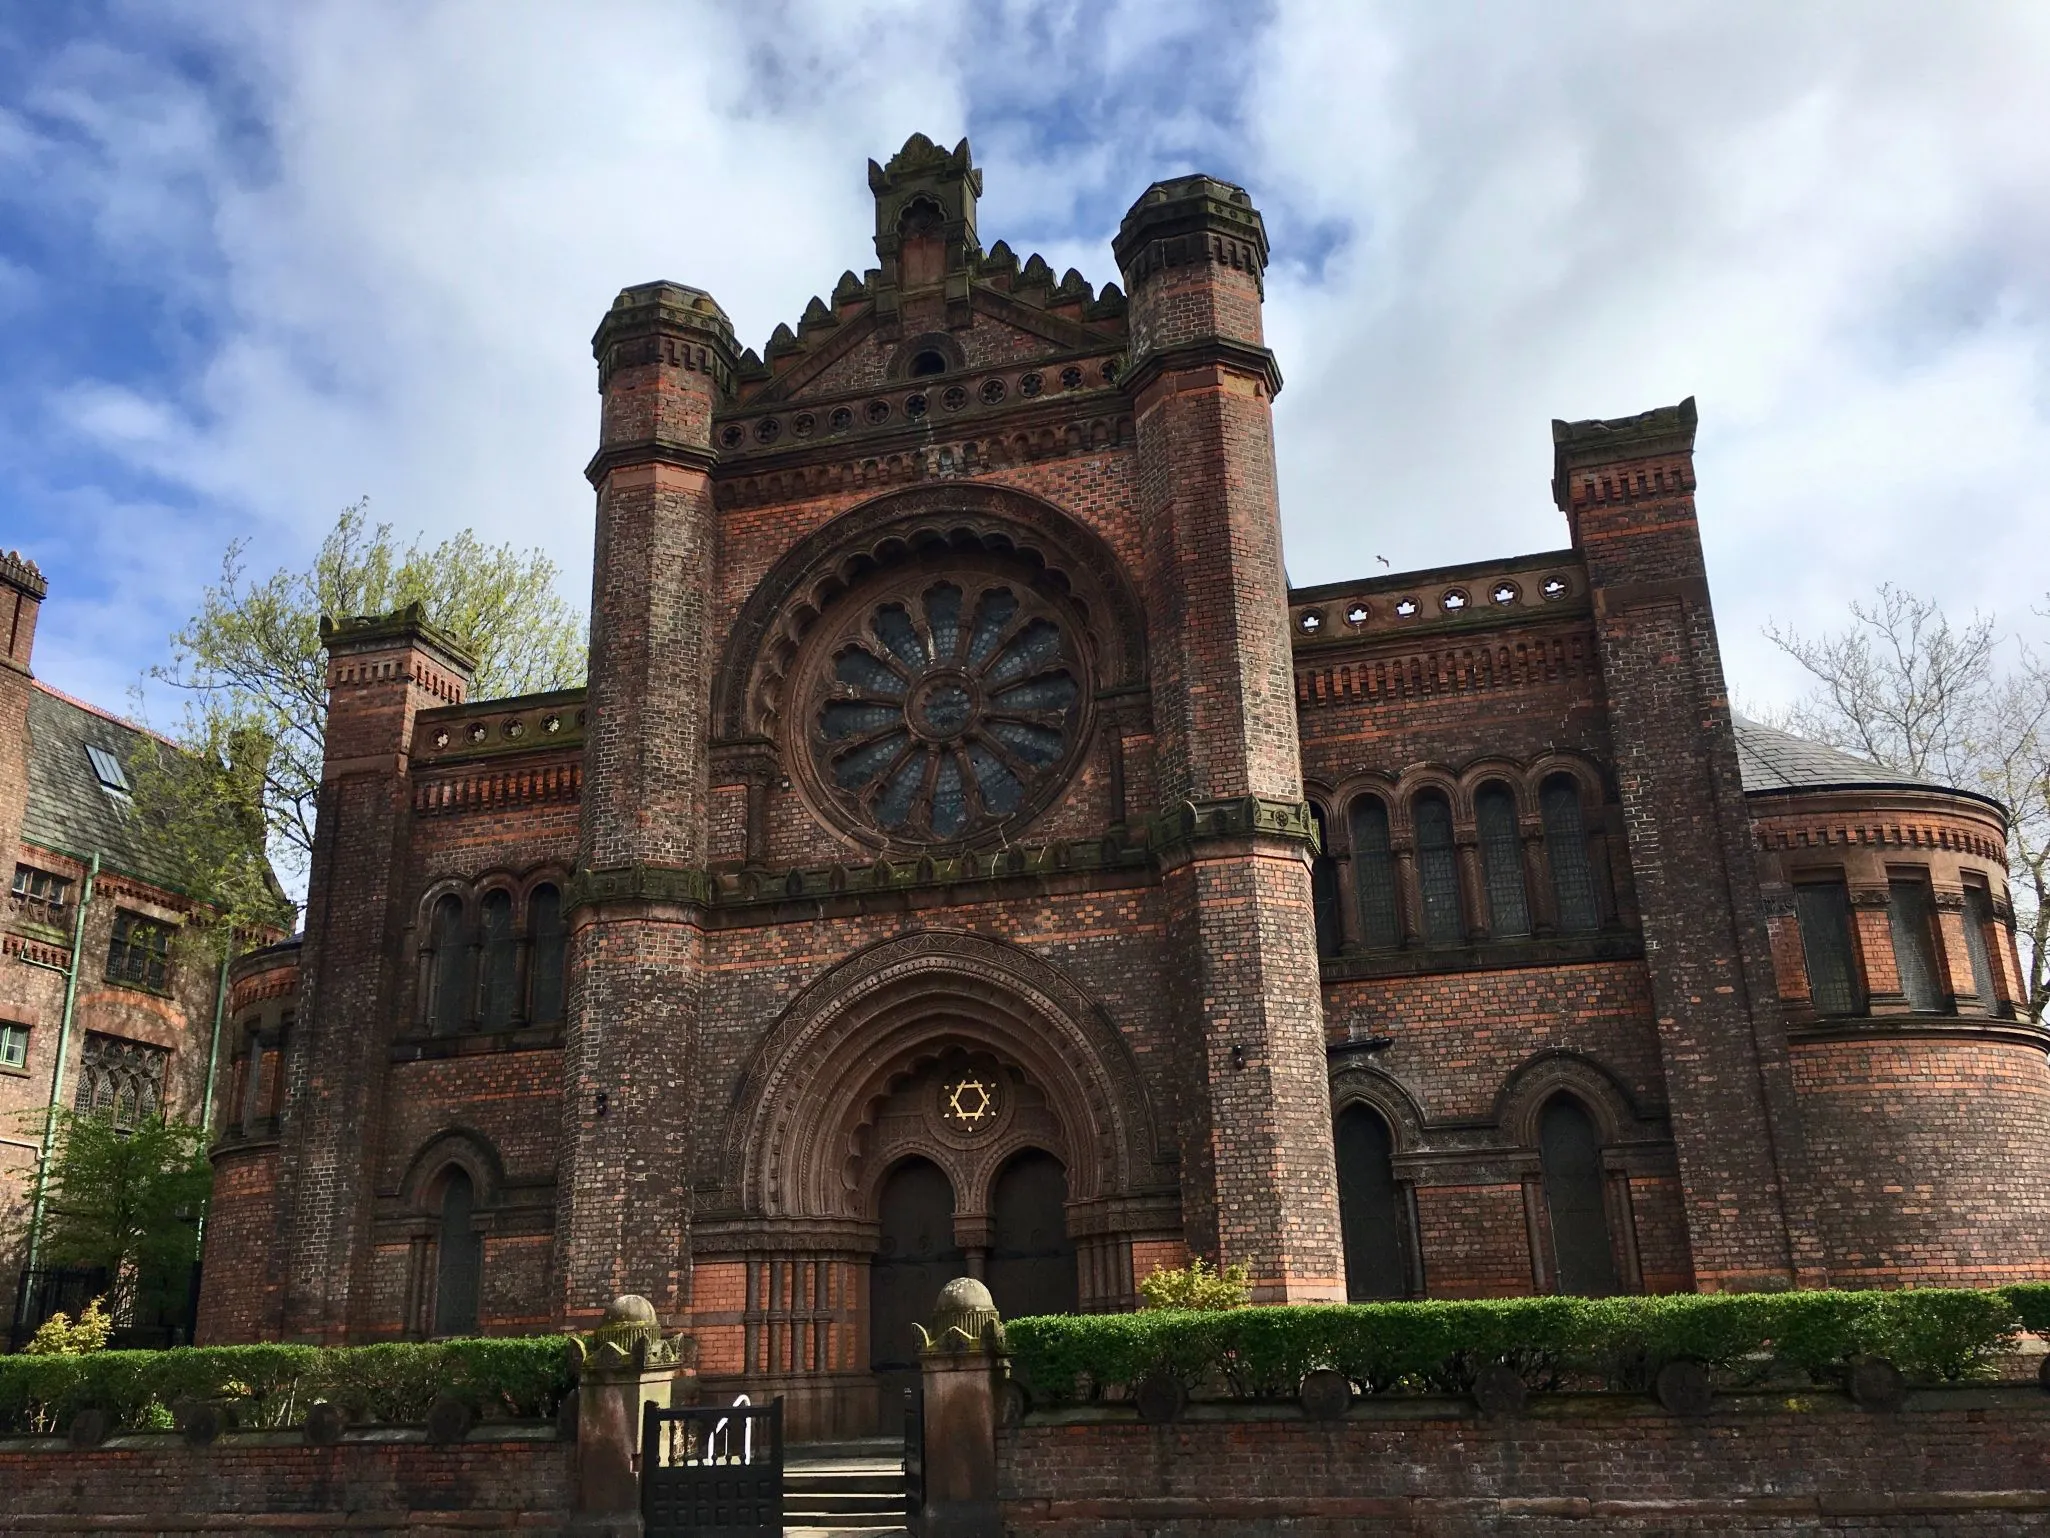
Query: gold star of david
{"type": "Point", "coordinates": [971, 1102]}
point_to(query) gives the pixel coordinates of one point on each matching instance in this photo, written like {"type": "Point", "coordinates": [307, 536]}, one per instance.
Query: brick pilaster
{"type": "Point", "coordinates": [665, 359]}
{"type": "Point", "coordinates": [1234, 830]}
{"type": "Point", "coordinates": [1627, 489]}
{"type": "Point", "coordinates": [381, 673]}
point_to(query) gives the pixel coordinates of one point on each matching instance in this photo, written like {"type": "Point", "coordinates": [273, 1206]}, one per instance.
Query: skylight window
{"type": "Point", "coordinates": [107, 768]}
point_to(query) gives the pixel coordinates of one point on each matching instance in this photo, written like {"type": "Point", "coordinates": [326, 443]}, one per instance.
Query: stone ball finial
{"type": "Point", "coordinates": [631, 1308]}
{"type": "Point", "coordinates": [963, 1293]}
{"type": "Point", "coordinates": [964, 1318]}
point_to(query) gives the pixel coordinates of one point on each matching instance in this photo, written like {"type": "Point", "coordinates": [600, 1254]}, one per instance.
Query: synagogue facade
{"type": "Point", "coordinates": [971, 856]}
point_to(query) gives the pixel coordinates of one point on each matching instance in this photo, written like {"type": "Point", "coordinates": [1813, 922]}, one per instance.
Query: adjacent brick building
{"type": "Point", "coordinates": [970, 855]}
{"type": "Point", "coordinates": [101, 1007]}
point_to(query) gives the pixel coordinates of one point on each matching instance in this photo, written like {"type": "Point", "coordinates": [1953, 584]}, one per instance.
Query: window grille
{"type": "Point", "coordinates": [139, 951]}
{"type": "Point", "coordinates": [120, 1079]}
{"type": "Point", "coordinates": [461, 1260]}
{"type": "Point", "coordinates": [1438, 871]}
{"type": "Point", "coordinates": [501, 968]}
{"type": "Point", "coordinates": [1502, 861]}
{"type": "Point", "coordinates": [1824, 911]}
{"type": "Point", "coordinates": [1373, 875]}
{"type": "Point", "coordinates": [1570, 1152]}
{"type": "Point", "coordinates": [1566, 852]}
{"type": "Point", "coordinates": [1370, 1207]}
{"type": "Point", "coordinates": [1978, 924]}
{"type": "Point", "coordinates": [544, 964]}
{"type": "Point", "coordinates": [448, 970]}
{"type": "Point", "coordinates": [13, 1046]}
{"type": "Point", "coordinates": [1912, 917]}
{"type": "Point", "coordinates": [1324, 901]}
{"type": "Point", "coordinates": [40, 886]}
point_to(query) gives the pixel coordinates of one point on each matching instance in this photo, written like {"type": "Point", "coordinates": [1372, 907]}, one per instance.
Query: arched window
{"type": "Point", "coordinates": [1370, 1207]}
{"type": "Point", "coordinates": [1502, 861]}
{"type": "Point", "coordinates": [1373, 875]}
{"type": "Point", "coordinates": [501, 969]}
{"type": "Point", "coordinates": [459, 1265]}
{"type": "Point", "coordinates": [1566, 849]}
{"type": "Point", "coordinates": [544, 964]}
{"type": "Point", "coordinates": [1570, 1151]}
{"type": "Point", "coordinates": [1437, 869]}
{"type": "Point", "coordinates": [448, 968]}
{"type": "Point", "coordinates": [1324, 900]}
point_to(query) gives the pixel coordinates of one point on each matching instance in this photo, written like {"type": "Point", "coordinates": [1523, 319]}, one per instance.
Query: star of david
{"type": "Point", "coordinates": [971, 1102]}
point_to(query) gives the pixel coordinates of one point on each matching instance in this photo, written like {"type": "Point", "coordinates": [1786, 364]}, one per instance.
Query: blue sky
{"type": "Point", "coordinates": [258, 261]}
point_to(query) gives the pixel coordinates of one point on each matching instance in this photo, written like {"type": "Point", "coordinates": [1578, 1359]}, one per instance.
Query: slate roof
{"type": "Point", "coordinates": [68, 811]}
{"type": "Point", "coordinates": [1770, 759]}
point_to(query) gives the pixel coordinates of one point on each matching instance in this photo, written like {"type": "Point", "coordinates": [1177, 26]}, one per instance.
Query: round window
{"type": "Point", "coordinates": [943, 708]}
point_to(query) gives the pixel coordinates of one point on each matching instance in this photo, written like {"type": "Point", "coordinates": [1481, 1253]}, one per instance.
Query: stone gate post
{"type": "Point", "coordinates": [627, 1367]}
{"type": "Point", "coordinates": [963, 1364]}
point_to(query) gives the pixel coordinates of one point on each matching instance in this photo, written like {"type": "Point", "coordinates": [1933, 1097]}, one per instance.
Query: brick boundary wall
{"type": "Point", "coordinates": [1957, 1460]}
{"type": "Point", "coordinates": [500, 1480]}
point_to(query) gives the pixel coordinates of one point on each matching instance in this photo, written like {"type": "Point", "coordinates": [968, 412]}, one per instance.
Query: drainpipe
{"type": "Point", "coordinates": [35, 1222]}
{"type": "Point", "coordinates": [213, 1048]}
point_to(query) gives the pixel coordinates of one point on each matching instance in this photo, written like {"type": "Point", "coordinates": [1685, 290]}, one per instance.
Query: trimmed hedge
{"type": "Point", "coordinates": [1552, 1342]}
{"type": "Point", "coordinates": [270, 1387]}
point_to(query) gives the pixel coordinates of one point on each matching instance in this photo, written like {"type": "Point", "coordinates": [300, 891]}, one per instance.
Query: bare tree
{"type": "Point", "coordinates": [1903, 686]}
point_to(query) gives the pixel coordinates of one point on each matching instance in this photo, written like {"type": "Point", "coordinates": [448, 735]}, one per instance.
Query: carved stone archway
{"type": "Point", "coordinates": [850, 1040]}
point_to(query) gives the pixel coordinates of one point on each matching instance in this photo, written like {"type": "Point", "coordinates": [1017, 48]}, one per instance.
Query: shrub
{"type": "Point", "coordinates": [58, 1336]}
{"type": "Point", "coordinates": [272, 1386]}
{"type": "Point", "coordinates": [1196, 1287]}
{"type": "Point", "coordinates": [1553, 1342]}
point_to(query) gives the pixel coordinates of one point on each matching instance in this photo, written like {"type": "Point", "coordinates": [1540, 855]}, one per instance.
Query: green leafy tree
{"type": "Point", "coordinates": [251, 661]}
{"type": "Point", "coordinates": [128, 1201]}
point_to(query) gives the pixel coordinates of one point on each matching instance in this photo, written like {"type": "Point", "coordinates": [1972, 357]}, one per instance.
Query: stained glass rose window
{"type": "Point", "coordinates": [946, 708]}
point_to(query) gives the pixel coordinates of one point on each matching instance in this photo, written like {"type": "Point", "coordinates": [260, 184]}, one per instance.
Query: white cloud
{"type": "Point", "coordinates": [384, 232]}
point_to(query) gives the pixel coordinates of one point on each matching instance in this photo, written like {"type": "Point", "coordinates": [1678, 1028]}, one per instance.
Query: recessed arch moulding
{"type": "Point", "coordinates": [815, 1123]}
{"type": "Point", "coordinates": [797, 1144]}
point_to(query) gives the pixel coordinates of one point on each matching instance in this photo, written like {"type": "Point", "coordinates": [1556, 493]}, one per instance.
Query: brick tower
{"type": "Point", "coordinates": [665, 360]}
{"type": "Point", "coordinates": [1256, 1147]}
{"type": "Point", "coordinates": [1627, 489]}
{"type": "Point", "coordinates": [381, 674]}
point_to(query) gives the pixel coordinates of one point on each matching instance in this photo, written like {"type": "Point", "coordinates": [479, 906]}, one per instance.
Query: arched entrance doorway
{"type": "Point", "coordinates": [1031, 1257]}
{"type": "Point", "coordinates": [915, 1257]}
{"type": "Point", "coordinates": [1370, 1207]}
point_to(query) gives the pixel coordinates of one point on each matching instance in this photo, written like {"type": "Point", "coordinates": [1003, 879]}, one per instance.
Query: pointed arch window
{"type": "Point", "coordinates": [1570, 1152]}
{"type": "Point", "coordinates": [448, 969]}
{"type": "Point", "coordinates": [1324, 898]}
{"type": "Point", "coordinates": [1437, 868]}
{"type": "Point", "coordinates": [500, 962]}
{"type": "Point", "coordinates": [1373, 874]}
{"type": "Point", "coordinates": [544, 966]}
{"type": "Point", "coordinates": [1502, 861]}
{"type": "Point", "coordinates": [1566, 851]}
{"type": "Point", "coordinates": [459, 1264]}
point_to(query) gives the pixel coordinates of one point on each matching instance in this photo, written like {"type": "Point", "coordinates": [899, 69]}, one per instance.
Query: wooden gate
{"type": "Point", "coordinates": [713, 1471]}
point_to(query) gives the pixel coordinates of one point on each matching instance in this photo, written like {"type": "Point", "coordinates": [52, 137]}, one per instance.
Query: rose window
{"type": "Point", "coordinates": [947, 709]}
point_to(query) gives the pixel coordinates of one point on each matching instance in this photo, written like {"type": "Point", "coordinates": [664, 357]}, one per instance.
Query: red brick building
{"type": "Point", "coordinates": [100, 1008]}
{"type": "Point", "coordinates": [970, 855]}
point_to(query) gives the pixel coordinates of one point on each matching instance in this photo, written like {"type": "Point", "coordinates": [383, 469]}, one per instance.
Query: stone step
{"type": "Point", "coordinates": [836, 1501]}
{"type": "Point", "coordinates": [792, 1530]}
{"type": "Point", "coordinates": [864, 1485]}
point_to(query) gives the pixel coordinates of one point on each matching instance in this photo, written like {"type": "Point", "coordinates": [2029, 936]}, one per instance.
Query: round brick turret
{"type": "Point", "coordinates": [1923, 1085]}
